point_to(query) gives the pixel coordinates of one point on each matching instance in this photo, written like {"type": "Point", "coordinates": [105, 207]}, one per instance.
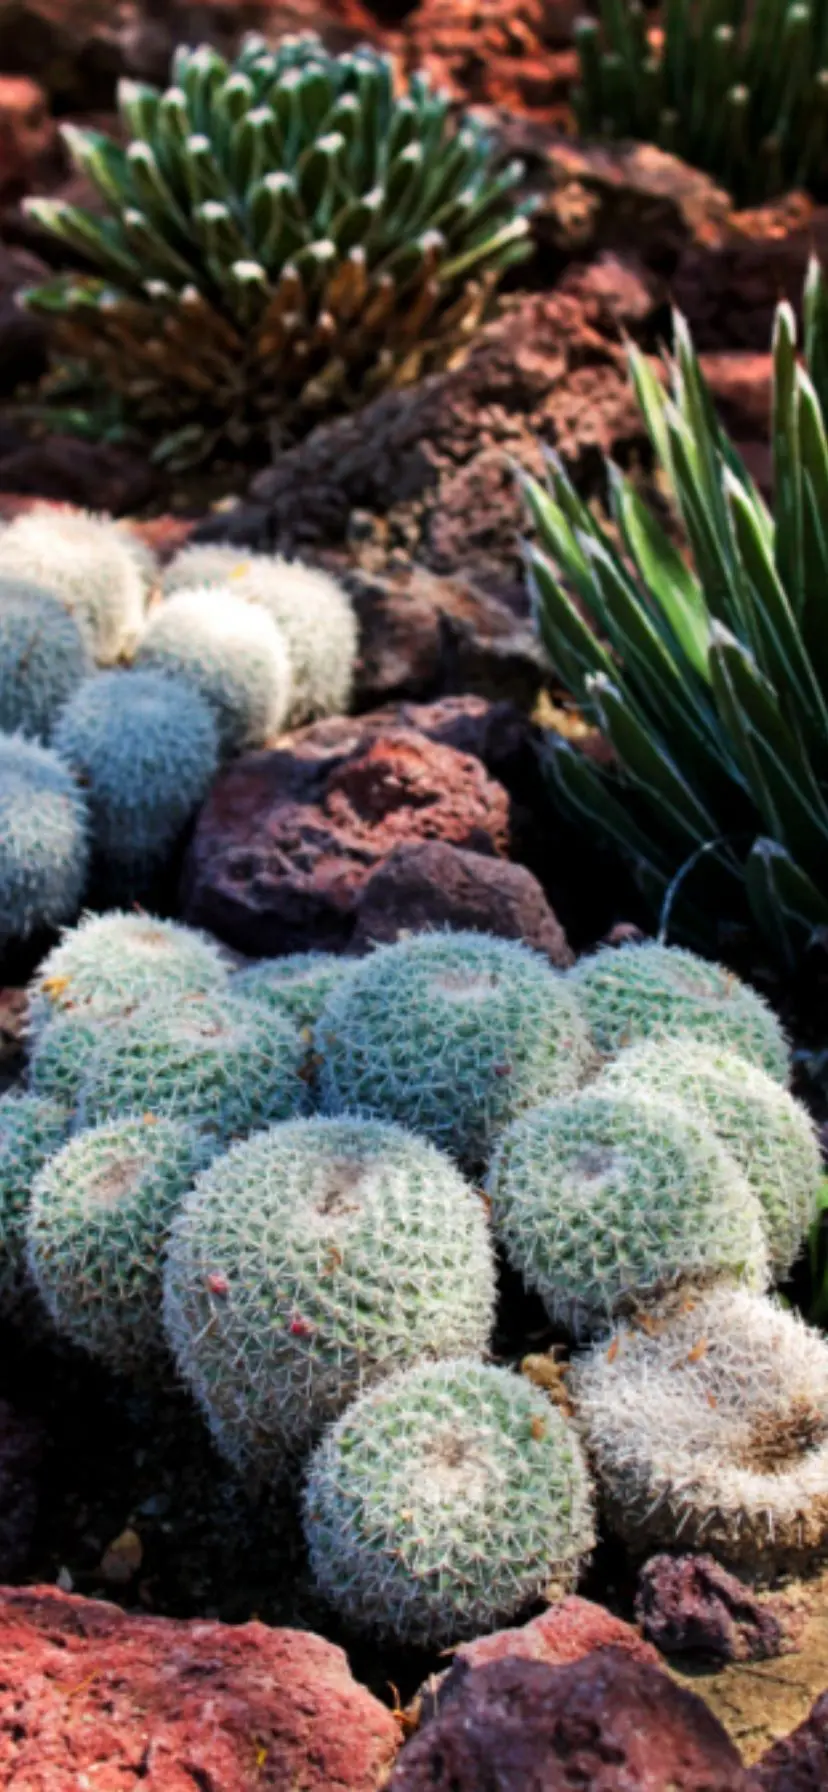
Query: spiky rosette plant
{"type": "Point", "coordinates": [96, 1227]}
{"type": "Point", "coordinates": [709, 681]}
{"type": "Point", "coordinates": [769, 1133]}
{"type": "Point", "coordinates": [283, 236]}
{"type": "Point", "coordinates": [311, 1260]}
{"type": "Point", "coordinates": [709, 1430]}
{"type": "Point", "coordinates": [31, 1131]}
{"type": "Point", "coordinates": [737, 89]}
{"type": "Point", "coordinates": [445, 1502]}
{"type": "Point", "coordinates": [109, 964]}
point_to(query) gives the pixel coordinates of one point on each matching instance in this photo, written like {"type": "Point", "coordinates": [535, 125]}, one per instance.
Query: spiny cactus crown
{"type": "Point", "coordinates": [96, 1227]}
{"type": "Point", "coordinates": [711, 1426]}
{"type": "Point", "coordinates": [608, 1200]}
{"type": "Point", "coordinates": [89, 563]}
{"type": "Point", "coordinates": [282, 235]}
{"type": "Point", "coordinates": [444, 1502]}
{"type": "Point", "coordinates": [43, 658]}
{"type": "Point", "coordinates": [297, 986]}
{"type": "Point", "coordinates": [234, 656]}
{"type": "Point", "coordinates": [109, 964]}
{"type": "Point", "coordinates": [771, 1135]}
{"type": "Point", "coordinates": [31, 1130]}
{"type": "Point", "coordinates": [44, 839]}
{"type": "Point", "coordinates": [311, 1260]}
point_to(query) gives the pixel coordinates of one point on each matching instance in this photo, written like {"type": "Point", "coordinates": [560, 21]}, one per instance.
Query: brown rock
{"type": "Point", "coordinates": [421, 634]}
{"type": "Point", "coordinates": [27, 133]}
{"type": "Point", "coordinates": [287, 839]}
{"type": "Point", "coordinates": [22, 336]}
{"type": "Point", "coordinates": [730, 281]}
{"type": "Point", "coordinates": [567, 1632]}
{"type": "Point", "coordinates": [94, 475]}
{"type": "Point", "coordinates": [21, 1451]}
{"type": "Point", "coordinates": [96, 1697]}
{"type": "Point", "coordinates": [608, 1723]}
{"type": "Point", "coordinates": [799, 1763]}
{"type": "Point", "coordinates": [480, 51]}
{"type": "Point", "coordinates": [433, 884]}
{"type": "Point", "coordinates": [691, 1604]}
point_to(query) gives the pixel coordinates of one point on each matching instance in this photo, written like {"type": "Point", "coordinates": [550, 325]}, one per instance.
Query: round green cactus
{"type": "Point", "coordinates": [61, 1052]}
{"type": "Point", "coordinates": [87, 562]}
{"type": "Point", "coordinates": [640, 992]}
{"type": "Point", "coordinates": [146, 749]}
{"type": "Point", "coordinates": [710, 1431]}
{"type": "Point", "coordinates": [444, 1502]}
{"type": "Point", "coordinates": [311, 608]}
{"type": "Point", "coordinates": [109, 964]}
{"type": "Point", "coordinates": [452, 1034]}
{"type": "Point", "coordinates": [769, 1133]}
{"type": "Point", "coordinates": [284, 236]}
{"type": "Point", "coordinates": [310, 1260]}
{"type": "Point", "coordinates": [44, 839]}
{"type": "Point", "coordinates": [606, 1201]}
{"type": "Point", "coordinates": [296, 986]}
{"type": "Point", "coordinates": [31, 1131]}
{"type": "Point", "coordinates": [43, 658]}
{"type": "Point", "coordinates": [97, 1222]}
{"type": "Point", "coordinates": [228, 1066]}
{"type": "Point", "coordinates": [233, 655]}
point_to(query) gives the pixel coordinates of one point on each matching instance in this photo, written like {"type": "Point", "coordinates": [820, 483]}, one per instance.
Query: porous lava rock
{"type": "Point", "coordinates": [606, 1722]}
{"type": "Point", "coordinates": [691, 1604]}
{"type": "Point", "coordinates": [22, 1444]}
{"type": "Point", "coordinates": [288, 838]}
{"type": "Point", "coordinates": [96, 1697]}
{"type": "Point", "coordinates": [432, 884]}
{"type": "Point", "coordinates": [799, 1763]}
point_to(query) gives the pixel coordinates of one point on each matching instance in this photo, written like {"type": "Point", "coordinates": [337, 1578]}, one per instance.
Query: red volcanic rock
{"type": "Point", "coordinates": [799, 1763]}
{"type": "Point", "coordinates": [432, 884]}
{"type": "Point", "coordinates": [287, 839]}
{"type": "Point", "coordinates": [691, 1603]}
{"type": "Point", "coordinates": [481, 50]}
{"type": "Point", "coordinates": [27, 133]}
{"type": "Point", "coordinates": [94, 1697]}
{"type": "Point", "coordinates": [608, 1723]}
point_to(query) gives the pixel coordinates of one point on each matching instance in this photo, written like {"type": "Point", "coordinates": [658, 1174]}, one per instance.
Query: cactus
{"type": "Point", "coordinates": [109, 964]}
{"type": "Point", "coordinates": [311, 1260]}
{"type": "Point", "coordinates": [605, 1201]}
{"type": "Point", "coordinates": [43, 658]}
{"type": "Point", "coordinates": [444, 1502]}
{"type": "Point", "coordinates": [451, 1034]}
{"type": "Point", "coordinates": [296, 986]}
{"type": "Point", "coordinates": [710, 1431]}
{"type": "Point", "coordinates": [284, 237]}
{"type": "Point", "coordinates": [228, 1066]}
{"type": "Point", "coordinates": [771, 1136]}
{"type": "Point", "coordinates": [654, 991]}
{"type": "Point", "coordinates": [311, 608]}
{"type": "Point", "coordinates": [86, 562]}
{"type": "Point", "coordinates": [233, 656]}
{"type": "Point", "coordinates": [61, 1052]}
{"type": "Point", "coordinates": [146, 749]}
{"type": "Point", "coordinates": [44, 839]}
{"type": "Point", "coordinates": [97, 1223]}
{"type": "Point", "coordinates": [31, 1131]}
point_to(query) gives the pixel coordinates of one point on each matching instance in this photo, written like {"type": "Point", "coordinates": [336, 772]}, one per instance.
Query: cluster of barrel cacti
{"type": "Point", "coordinates": [122, 689]}
{"type": "Point", "coordinates": [286, 1184]}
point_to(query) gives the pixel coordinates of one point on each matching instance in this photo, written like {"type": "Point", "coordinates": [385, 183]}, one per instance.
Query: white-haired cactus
{"type": "Point", "coordinates": [44, 839]}
{"type": "Point", "coordinates": [606, 1201]}
{"type": "Point", "coordinates": [31, 1131]}
{"type": "Point", "coordinates": [109, 964]}
{"type": "Point", "coordinates": [97, 1222]}
{"type": "Point", "coordinates": [709, 1431]}
{"type": "Point", "coordinates": [297, 985]}
{"type": "Point", "coordinates": [146, 750]}
{"type": "Point", "coordinates": [311, 1260]}
{"type": "Point", "coordinates": [444, 1502]}
{"type": "Point", "coordinates": [452, 1034]}
{"type": "Point", "coordinates": [43, 658]}
{"type": "Point", "coordinates": [310, 606]}
{"type": "Point", "coordinates": [769, 1133]}
{"type": "Point", "coordinates": [640, 992]}
{"type": "Point", "coordinates": [233, 655]}
{"type": "Point", "coordinates": [226, 1065]}
{"type": "Point", "coordinates": [87, 562]}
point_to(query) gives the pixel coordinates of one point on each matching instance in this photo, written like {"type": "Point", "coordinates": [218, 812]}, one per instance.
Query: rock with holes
{"type": "Point", "coordinates": [691, 1605]}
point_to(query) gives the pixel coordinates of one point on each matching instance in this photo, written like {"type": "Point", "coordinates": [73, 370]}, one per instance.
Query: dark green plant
{"type": "Point", "coordinates": [283, 236]}
{"type": "Point", "coordinates": [709, 679]}
{"type": "Point", "coordinates": [737, 87]}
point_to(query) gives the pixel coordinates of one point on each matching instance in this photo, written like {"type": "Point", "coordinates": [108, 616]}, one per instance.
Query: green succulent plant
{"type": "Point", "coordinates": [283, 236]}
{"type": "Point", "coordinates": [44, 839]}
{"type": "Point", "coordinates": [109, 964]}
{"type": "Point", "coordinates": [709, 680]}
{"type": "Point", "coordinates": [738, 89]}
